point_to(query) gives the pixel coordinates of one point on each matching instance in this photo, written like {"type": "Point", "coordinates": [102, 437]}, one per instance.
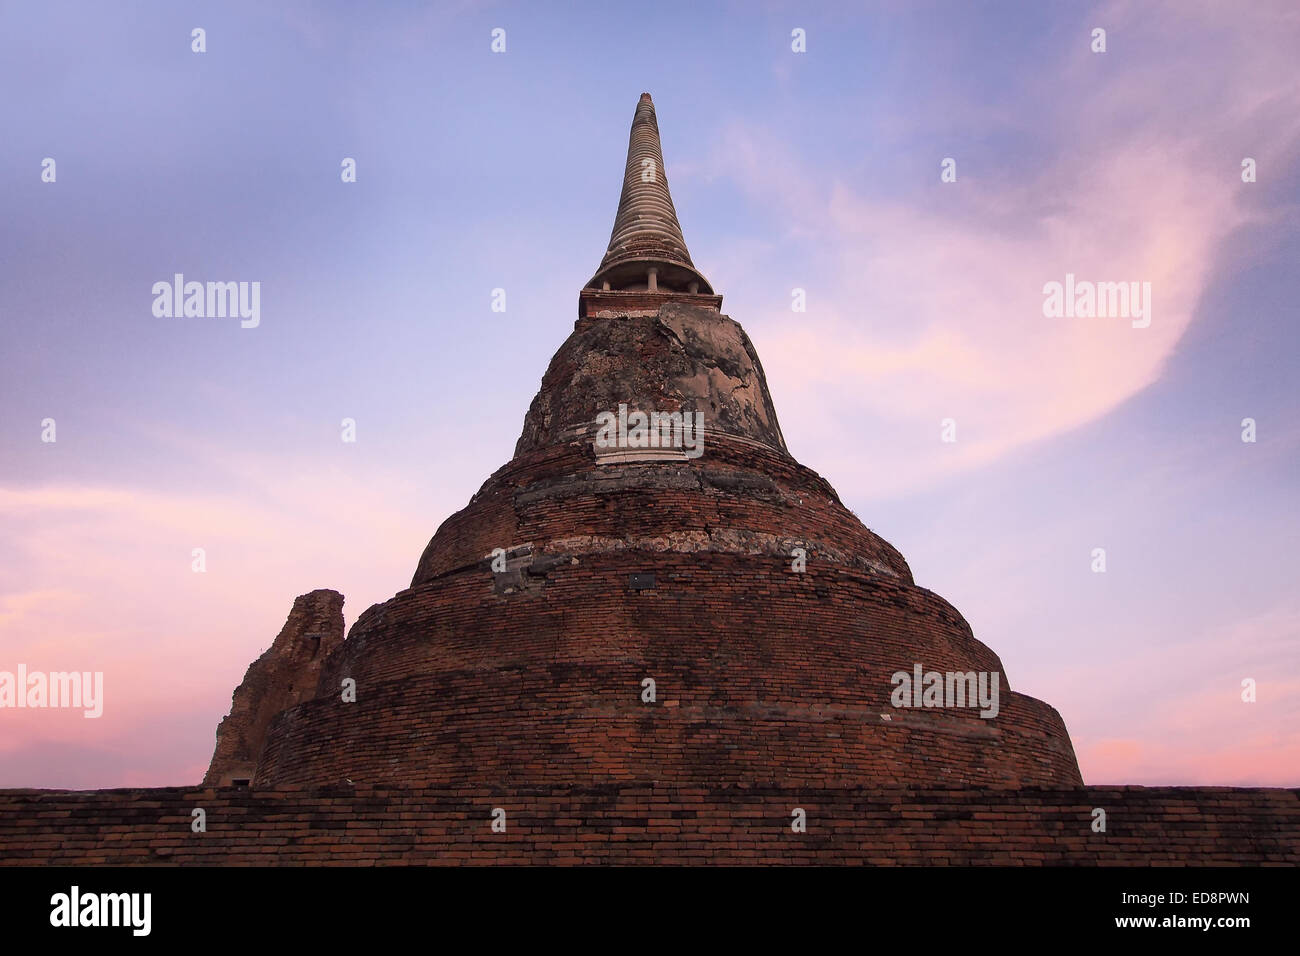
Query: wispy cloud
{"type": "Point", "coordinates": [934, 298]}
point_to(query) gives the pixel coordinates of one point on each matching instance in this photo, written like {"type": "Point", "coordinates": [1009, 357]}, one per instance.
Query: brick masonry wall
{"type": "Point", "coordinates": [762, 675]}
{"type": "Point", "coordinates": [624, 824]}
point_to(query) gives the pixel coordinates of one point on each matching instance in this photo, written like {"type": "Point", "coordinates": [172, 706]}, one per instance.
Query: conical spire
{"type": "Point", "coordinates": [646, 249]}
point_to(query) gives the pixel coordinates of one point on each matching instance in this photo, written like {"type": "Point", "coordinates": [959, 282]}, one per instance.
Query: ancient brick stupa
{"type": "Point", "coordinates": [652, 636]}
{"type": "Point", "coordinates": [707, 560]}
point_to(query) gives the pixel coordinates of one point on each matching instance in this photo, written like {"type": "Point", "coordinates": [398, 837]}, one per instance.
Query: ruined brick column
{"type": "Point", "coordinates": [285, 675]}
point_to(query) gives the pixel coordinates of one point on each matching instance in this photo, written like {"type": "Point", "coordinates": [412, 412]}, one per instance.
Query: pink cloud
{"type": "Point", "coordinates": [1172, 712]}
{"type": "Point", "coordinates": [934, 301]}
{"type": "Point", "coordinates": [100, 579]}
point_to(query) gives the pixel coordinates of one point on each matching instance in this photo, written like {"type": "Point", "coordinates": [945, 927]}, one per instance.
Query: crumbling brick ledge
{"type": "Point", "coordinates": [652, 824]}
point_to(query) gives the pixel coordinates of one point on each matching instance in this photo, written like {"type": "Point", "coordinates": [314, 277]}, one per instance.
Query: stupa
{"type": "Point", "coordinates": [675, 599]}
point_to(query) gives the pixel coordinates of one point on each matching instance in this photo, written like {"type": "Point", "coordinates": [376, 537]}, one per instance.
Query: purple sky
{"type": "Point", "coordinates": [817, 170]}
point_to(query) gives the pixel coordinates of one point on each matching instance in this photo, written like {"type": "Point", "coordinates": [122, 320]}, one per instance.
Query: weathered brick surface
{"type": "Point", "coordinates": [762, 674]}
{"type": "Point", "coordinates": [621, 824]}
{"type": "Point", "coordinates": [737, 496]}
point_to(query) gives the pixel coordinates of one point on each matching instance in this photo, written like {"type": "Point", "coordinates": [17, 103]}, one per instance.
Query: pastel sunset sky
{"type": "Point", "coordinates": [817, 171]}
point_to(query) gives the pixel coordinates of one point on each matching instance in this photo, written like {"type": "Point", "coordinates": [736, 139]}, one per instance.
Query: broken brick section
{"type": "Point", "coordinates": [286, 674]}
{"type": "Point", "coordinates": [1203, 826]}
